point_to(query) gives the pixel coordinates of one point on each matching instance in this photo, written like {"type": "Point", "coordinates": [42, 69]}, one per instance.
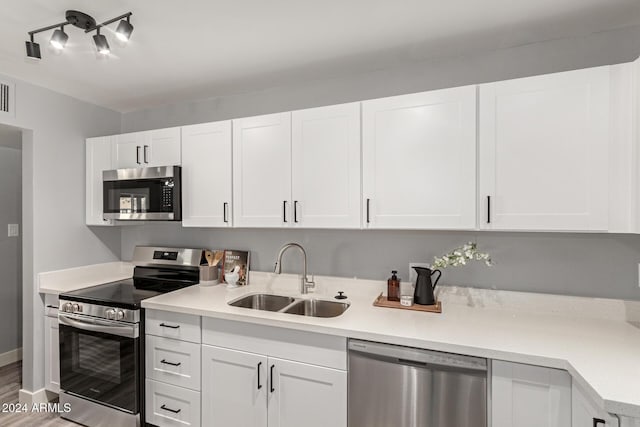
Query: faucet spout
{"type": "Point", "coordinates": [305, 283]}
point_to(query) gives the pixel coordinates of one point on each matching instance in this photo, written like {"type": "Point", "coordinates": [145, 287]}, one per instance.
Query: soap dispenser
{"type": "Point", "coordinates": [393, 287]}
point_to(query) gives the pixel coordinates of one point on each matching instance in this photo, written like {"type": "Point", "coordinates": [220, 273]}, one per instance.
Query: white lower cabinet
{"type": "Point", "coordinates": [585, 412]}
{"type": "Point", "coordinates": [172, 369]}
{"type": "Point", "coordinates": [306, 395]}
{"type": "Point", "coordinates": [51, 344]}
{"type": "Point", "coordinates": [252, 385]}
{"type": "Point", "coordinates": [168, 405]}
{"type": "Point", "coordinates": [529, 396]}
{"type": "Point", "coordinates": [52, 355]}
{"type": "Point", "coordinates": [234, 388]}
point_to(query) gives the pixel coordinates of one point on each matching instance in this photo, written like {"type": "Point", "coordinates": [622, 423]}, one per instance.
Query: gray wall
{"type": "Point", "coordinates": [575, 264]}
{"type": "Point", "coordinates": [54, 234]}
{"type": "Point", "coordinates": [10, 247]}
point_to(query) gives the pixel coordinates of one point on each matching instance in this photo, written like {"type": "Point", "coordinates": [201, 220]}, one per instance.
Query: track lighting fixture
{"type": "Point", "coordinates": [59, 38]}
{"type": "Point", "coordinates": [101, 43]}
{"type": "Point", "coordinates": [124, 30]}
{"type": "Point", "coordinates": [33, 49]}
{"type": "Point", "coordinates": [84, 22]}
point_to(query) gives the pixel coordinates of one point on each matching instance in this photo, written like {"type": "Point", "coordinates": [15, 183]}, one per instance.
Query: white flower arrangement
{"type": "Point", "coordinates": [460, 256]}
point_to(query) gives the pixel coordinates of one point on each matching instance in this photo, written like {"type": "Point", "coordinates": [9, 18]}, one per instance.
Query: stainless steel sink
{"type": "Point", "coordinates": [263, 302]}
{"type": "Point", "coordinates": [290, 305]}
{"type": "Point", "coordinates": [317, 308]}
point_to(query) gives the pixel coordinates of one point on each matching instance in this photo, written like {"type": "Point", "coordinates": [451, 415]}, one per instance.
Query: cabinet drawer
{"type": "Point", "coordinates": [168, 405]}
{"type": "Point", "coordinates": [178, 326]}
{"type": "Point", "coordinates": [172, 361]}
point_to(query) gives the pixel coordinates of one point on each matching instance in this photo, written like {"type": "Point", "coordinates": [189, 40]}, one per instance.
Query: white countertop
{"type": "Point", "coordinates": [70, 279]}
{"type": "Point", "coordinates": [598, 346]}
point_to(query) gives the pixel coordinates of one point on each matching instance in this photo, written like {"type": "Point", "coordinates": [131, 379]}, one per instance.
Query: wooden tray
{"type": "Point", "coordinates": [382, 301]}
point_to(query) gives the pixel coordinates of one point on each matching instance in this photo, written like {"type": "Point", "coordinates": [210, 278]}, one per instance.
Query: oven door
{"type": "Point", "coordinates": [99, 360]}
{"type": "Point", "coordinates": [147, 194]}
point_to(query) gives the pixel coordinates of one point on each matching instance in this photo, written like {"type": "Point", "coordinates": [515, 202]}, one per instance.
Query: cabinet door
{"type": "Point", "coordinates": [98, 159]}
{"type": "Point", "coordinates": [326, 167]}
{"type": "Point", "coordinates": [585, 412]}
{"type": "Point", "coordinates": [544, 152]}
{"type": "Point", "coordinates": [234, 388]}
{"type": "Point", "coordinates": [306, 395]}
{"type": "Point", "coordinates": [52, 355]}
{"type": "Point", "coordinates": [128, 150]}
{"type": "Point", "coordinates": [163, 148]}
{"type": "Point", "coordinates": [419, 160]}
{"type": "Point", "coordinates": [529, 396]}
{"type": "Point", "coordinates": [206, 175]}
{"type": "Point", "coordinates": [262, 171]}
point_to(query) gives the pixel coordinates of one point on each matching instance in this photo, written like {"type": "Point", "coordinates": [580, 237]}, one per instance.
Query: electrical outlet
{"type": "Point", "coordinates": [13, 230]}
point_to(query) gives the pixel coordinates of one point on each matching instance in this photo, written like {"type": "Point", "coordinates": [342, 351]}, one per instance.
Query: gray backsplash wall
{"type": "Point", "coordinates": [576, 264]}
{"type": "Point", "coordinates": [10, 247]}
{"type": "Point", "coordinates": [597, 265]}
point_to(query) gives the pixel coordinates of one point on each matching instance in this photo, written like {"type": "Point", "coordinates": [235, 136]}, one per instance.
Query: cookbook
{"type": "Point", "coordinates": [234, 258]}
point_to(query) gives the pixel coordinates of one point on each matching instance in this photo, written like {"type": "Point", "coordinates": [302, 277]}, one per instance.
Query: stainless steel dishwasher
{"type": "Point", "coordinates": [398, 386]}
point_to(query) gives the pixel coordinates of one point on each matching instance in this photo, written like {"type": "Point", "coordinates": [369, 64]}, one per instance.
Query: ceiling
{"type": "Point", "coordinates": [203, 48]}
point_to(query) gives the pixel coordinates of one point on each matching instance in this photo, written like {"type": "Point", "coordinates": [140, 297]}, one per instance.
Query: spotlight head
{"type": "Point", "coordinates": [124, 30]}
{"type": "Point", "coordinates": [33, 49]}
{"type": "Point", "coordinates": [59, 39]}
{"type": "Point", "coordinates": [101, 43]}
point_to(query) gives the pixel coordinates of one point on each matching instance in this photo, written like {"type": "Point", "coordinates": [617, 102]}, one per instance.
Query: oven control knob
{"type": "Point", "coordinates": [111, 314]}
{"type": "Point", "coordinates": [120, 315]}
{"type": "Point", "coordinates": [68, 307]}
{"type": "Point", "coordinates": [75, 308]}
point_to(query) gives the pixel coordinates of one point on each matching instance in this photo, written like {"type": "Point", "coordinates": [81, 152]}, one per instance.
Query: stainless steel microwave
{"type": "Point", "coordinates": [142, 194]}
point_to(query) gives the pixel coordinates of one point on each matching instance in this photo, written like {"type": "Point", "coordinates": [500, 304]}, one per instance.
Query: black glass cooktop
{"type": "Point", "coordinates": [122, 294]}
{"type": "Point", "coordinates": [128, 293]}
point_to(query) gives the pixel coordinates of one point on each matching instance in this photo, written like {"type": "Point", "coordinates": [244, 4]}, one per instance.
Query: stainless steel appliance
{"type": "Point", "coordinates": [407, 387]}
{"type": "Point", "coordinates": [101, 332]}
{"type": "Point", "coordinates": [147, 194]}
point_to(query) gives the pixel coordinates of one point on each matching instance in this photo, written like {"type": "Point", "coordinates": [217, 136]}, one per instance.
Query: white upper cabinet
{"type": "Point", "coordinates": [262, 171]}
{"type": "Point", "coordinates": [206, 175]}
{"type": "Point", "coordinates": [164, 149]}
{"type": "Point", "coordinates": [326, 167]}
{"type": "Point", "coordinates": [160, 147]}
{"type": "Point", "coordinates": [128, 150]}
{"type": "Point", "coordinates": [544, 152]}
{"type": "Point", "coordinates": [419, 160]}
{"type": "Point", "coordinates": [98, 159]}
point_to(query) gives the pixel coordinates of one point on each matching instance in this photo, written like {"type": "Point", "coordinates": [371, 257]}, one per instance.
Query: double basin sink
{"type": "Point", "coordinates": [290, 305]}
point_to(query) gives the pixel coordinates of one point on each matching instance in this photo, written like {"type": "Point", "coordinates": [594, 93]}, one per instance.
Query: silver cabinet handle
{"type": "Point", "coordinates": [224, 212]}
{"type": "Point", "coordinates": [295, 211]}
{"type": "Point", "coordinates": [144, 152]}
{"type": "Point", "coordinates": [138, 154]}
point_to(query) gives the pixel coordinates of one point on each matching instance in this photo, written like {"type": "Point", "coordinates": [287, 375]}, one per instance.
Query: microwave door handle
{"type": "Point", "coordinates": [128, 331]}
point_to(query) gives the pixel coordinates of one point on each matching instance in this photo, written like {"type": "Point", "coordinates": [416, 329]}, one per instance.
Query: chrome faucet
{"type": "Point", "coordinates": [305, 284]}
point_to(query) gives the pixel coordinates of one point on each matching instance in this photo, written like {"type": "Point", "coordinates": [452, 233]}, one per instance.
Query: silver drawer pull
{"type": "Point", "coordinates": [170, 363]}
{"type": "Point", "coordinates": [175, 411]}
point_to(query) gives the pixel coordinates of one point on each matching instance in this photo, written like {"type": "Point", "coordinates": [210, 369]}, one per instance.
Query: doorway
{"type": "Point", "coordinates": [10, 261]}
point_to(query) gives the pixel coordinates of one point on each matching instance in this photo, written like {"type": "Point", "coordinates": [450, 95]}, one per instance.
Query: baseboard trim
{"type": "Point", "coordinates": [10, 357]}
{"type": "Point", "coordinates": [38, 396]}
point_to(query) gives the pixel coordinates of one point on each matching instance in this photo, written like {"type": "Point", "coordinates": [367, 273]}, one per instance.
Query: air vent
{"type": "Point", "coordinates": [4, 98]}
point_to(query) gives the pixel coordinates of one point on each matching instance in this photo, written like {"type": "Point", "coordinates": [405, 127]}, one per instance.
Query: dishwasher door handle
{"type": "Point", "coordinates": [417, 357]}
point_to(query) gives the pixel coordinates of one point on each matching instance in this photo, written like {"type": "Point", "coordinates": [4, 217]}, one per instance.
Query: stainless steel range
{"type": "Point", "coordinates": [102, 337]}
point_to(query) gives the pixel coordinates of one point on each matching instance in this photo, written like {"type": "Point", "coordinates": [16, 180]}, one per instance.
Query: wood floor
{"type": "Point", "coordinates": [10, 383]}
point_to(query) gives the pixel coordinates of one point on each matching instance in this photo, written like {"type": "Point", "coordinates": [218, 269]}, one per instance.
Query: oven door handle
{"type": "Point", "coordinates": [95, 325]}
